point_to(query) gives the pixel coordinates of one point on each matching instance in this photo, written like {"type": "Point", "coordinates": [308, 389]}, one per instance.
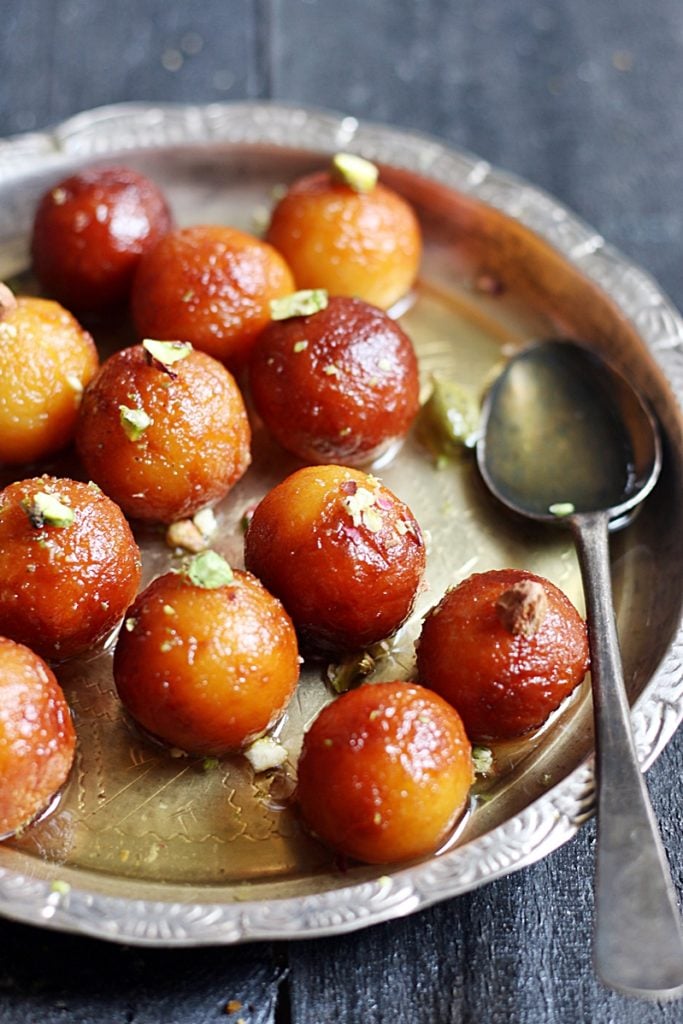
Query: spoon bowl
{"type": "Point", "coordinates": [566, 440]}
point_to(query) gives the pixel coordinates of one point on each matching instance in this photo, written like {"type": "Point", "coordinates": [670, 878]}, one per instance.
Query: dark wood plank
{"type": "Point", "coordinates": [53, 978]}
{"type": "Point", "coordinates": [58, 58]}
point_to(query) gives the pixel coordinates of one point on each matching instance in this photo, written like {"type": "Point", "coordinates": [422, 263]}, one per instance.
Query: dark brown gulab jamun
{"type": "Point", "coordinates": [385, 772]}
{"type": "Point", "coordinates": [69, 566]}
{"type": "Point", "coordinates": [505, 648]}
{"type": "Point", "coordinates": [207, 659]}
{"type": "Point", "coordinates": [347, 238]}
{"type": "Point", "coordinates": [163, 430]}
{"type": "Point", "coordinates": [90, 231]}
{"type": "Point", "coordinates": [343, 553]}
{"type": "Point", "coordinates": [340, 385]}
{"type": "Point", "coordinates": [46, 360]}
{"type": "Point", "coordinates": [37, 737]}
{"type": "Point", "coordinates": [211, 286]}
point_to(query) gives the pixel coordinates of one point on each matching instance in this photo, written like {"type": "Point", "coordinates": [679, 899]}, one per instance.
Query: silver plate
{"type": "Point", "coordinates": [549, 267]}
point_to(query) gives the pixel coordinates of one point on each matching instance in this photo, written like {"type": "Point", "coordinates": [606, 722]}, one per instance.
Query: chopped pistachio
{"type": "Point", "coordinates": [165, 354]}
{"type": "Point", "coordinates": [168, 609]}
{"type": "Point", "coordinates": [130, 624]}
{"type": "Point", "coordinates": [362, 507]}
{"type": "Point", "coordinates": [354, 171]}
{"type": "Point", "coordinates": [206, 522]}
{"type": "Point", "coordinates": [301, 303]}
{"type": "Point", "coordinates": [562, 508]}
{"type": "Point", "coordinates": [165, 647]}
{"type": "Point", "coordinates": [209, 571]}
{"type": "Point", "coordinates": [185, 534]}
{"type": "Point", "coordinates": [8, 303]}
{"type": "Point", "coordinates": [350, 671]}
{"type": "Point", "coordinates": [45, 509]}
{"type": "Point", "coordinates": [209, 764]}
{"type": "Point", "coordinates": [377, 818]}
{"type": "Point", "coordinates": [482, 760]}
{"type": "Point", "coordinates": [61, 887]}
{"type": "Point", "coordinates": [187, 296]}
{"type": "Point", "coordinates": [134, 422]}
{"type": "Point", "coordinates": [449, 419]}
{"type": "Point", "coordinates": [331, 370]}
{"type": "Point", "coordinates": [265, 753]}
{"type": "Point", "coordinates": [522, 608]}
{"type": "Point", "coordinates": [300, 346]}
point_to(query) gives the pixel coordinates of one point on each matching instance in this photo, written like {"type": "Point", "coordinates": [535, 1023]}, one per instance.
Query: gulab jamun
{"type": "Point", "coordinates": [207, 659]}
{"type": "Point", "coordinates": [349, 239]}
{"type": "Point", "coordinates": [46, 360]}
{"type": "Point", "coordinates": [90, 231]}
{"type": "Point", "coordinates": [211, 286]}
{"type": "Point", "coordinates": [37, 737]}
{"type": "Point", "coordinates": [340, 385]}
{"type": "Point", "coordinates": [505, 648]}
{"type": "Point", "coordinates": [343, 553]}
{"type": "Point", "coordinates": [69, 566]}
{"type": "Point", "coordinates": [385, 772]}
{"type": "Point", "coordinates": [163, 430]}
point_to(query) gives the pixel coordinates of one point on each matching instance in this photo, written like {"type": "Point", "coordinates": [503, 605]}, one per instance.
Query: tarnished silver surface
{"type": "Point", "coordinates": [205, 915]}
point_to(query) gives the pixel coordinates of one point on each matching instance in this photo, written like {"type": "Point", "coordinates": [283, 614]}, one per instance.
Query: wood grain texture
{"type": "Point", "coordinates": [583, 98]}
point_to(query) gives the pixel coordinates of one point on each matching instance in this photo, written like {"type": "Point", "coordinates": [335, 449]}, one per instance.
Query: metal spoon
{"type": "Point", "coordinates": [566, 440]}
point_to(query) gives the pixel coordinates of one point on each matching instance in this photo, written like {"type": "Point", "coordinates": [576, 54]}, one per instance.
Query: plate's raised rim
{"type": "Point", "coordinates": [549, 821]}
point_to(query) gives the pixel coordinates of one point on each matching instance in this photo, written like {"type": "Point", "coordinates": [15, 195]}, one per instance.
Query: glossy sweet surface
{"type": "Point", "coordinates": [384, 772]}
{"type": "Point", "coordinates": [337, 386]}
{"type": "Point", "coordinates": [343, 553]}
{"type": "Point", "coordinates": [90, 231]}
{"type": "Point", "coordinates": [211, 286]}
{"type": "Point", "coordinates": [37, 737]}
{"type": "Point", "coordinates": [191, 446]}
{"type": "Point", "coordinates": [351, 243]}
{"type": "Point", "coordinates": [46, 359]}
{"type": "Point", "coordinates": [503, 685]}
{"type": "Point", "coordinates": [206, 670]}
{"type": "Point", "coordinates": [64, 588]}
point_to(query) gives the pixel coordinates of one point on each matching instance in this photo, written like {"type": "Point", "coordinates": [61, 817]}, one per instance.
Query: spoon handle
{"type": "Point", "coordinates": [638, 943]}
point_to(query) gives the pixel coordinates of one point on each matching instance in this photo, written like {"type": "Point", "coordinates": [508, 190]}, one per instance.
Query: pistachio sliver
{"type": "Point", "coordinates": [209, 571]}
{"type": "Point", "coordinates": [301, 303]}
{"type": "Point", "coordinates": [134, 422]}
{"type": "Point", "coordinates": [166, 353]}
{"type": "Point", "coordinates": [561, 508]}
{"type": "Point", "coordinates": [45, 509]}
{"type": "Point", "coordinates": [359, 174]}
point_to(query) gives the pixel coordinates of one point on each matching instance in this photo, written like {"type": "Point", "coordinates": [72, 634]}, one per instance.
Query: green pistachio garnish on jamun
{"type": "Point", "coordinates": [165, 354]}
{"type": "Point", "coordinates": [351, 671]}
{"type": "Point", "coordinates": [45, 509]}
{"type": "Point", "coordinates": [302, 303]}
{"type": "Point", "coordinates": [134, 422]}
{"type": "Point", "coordinates": [209, 571]}
{"type": "Point", "coordinates": [359, 174]}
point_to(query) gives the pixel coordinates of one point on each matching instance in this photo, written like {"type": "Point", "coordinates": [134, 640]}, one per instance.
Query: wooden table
{"type": "Point", "coordinates": [582, 97]}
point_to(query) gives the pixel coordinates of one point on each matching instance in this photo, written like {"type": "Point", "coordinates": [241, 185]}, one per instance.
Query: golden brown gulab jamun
{"type": "Point", "coordinates": [207, 659]}
{"type": "Point", "coordinates": [46, 359]}
{"type": "Point", "coordinates": [351, 241]}
{"type": "Point", "coordinates": [505, 648]}
{"type": "Point", "coordinates": [163, 430]}
{"type": "Point", "coordinates": [340, 385]}
{"type": "Point", "coordinates": [90, 231]}
{"type": "Point", "coordinates": [37, 737]}
{"type": "Point", "coordinates": [69, 566]}
{"type": "Point", "coordinates": [343, 553]}
{"type": "Point", "coordinates": [385, 772]}
{"type": "Point", "coordinates": [211, 286]}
